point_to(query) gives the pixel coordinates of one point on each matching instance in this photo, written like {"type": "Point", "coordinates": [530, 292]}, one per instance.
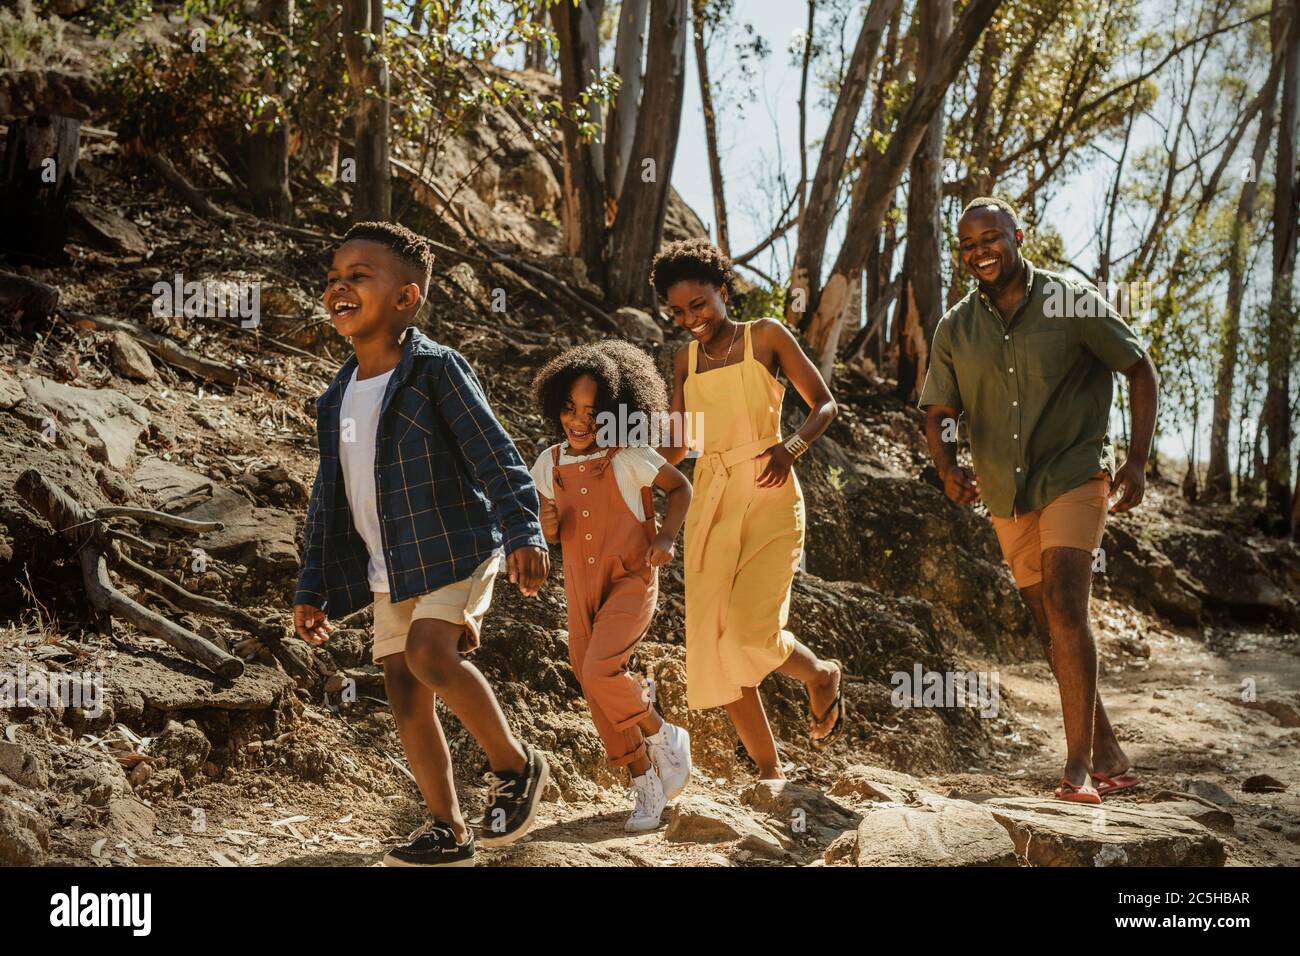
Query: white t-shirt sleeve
{"type": "Point", "coordinates": [543, 473]}
{"type": "Point", "coordinates": [635, 468]}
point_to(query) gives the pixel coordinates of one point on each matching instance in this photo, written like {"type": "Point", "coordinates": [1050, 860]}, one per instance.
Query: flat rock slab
{"type": "Point", "coordinates": [878, 785]}
{"type": "Point", "coordinates": [271, 531]}
{"type": "Point", "coordinates": [940, 832]}
{"type": "Point", "coordinates": [1056, 833]}
{"type": "Point", "coordinates": [800, 810]}
{"type": "Point", "coordinates": [701, 820]}
{"type": "Point", "coordinates": [106, 422]}
{"type": "Point", "coordinates": [178, 685]}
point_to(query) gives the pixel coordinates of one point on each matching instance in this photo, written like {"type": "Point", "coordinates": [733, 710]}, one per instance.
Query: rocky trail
{"type": "Point", "coordinates": [1197, 613]}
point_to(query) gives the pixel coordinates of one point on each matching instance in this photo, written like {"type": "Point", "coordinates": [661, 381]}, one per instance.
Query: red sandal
{"type": "Point", "coordinates": [1082, 793]}
{"type": "Point", "coordinates": [1123, 781]}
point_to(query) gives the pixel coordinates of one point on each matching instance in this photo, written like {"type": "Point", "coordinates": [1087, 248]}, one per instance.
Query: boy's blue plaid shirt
{"type": "Point", "coordinates": [450, 485]}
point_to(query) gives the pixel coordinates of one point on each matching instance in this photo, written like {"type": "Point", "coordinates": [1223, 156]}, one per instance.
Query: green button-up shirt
{"type": "Point", "coordinates": [1035, 388]}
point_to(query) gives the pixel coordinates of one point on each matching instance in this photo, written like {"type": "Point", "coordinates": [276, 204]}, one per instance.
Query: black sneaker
{"type": "Point", "coordinates": [513, 799]}
{"type": "Point", "coordinates": [433, 844]}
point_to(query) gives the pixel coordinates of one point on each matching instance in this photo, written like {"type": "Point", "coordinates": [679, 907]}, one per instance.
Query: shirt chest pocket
{"type": "Point", "coordinates": [1047, 354]}
{"type": "Point", "coordinates": [410, 420]}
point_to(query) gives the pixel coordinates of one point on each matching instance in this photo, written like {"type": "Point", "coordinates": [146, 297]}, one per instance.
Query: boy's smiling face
{"type": "Point", "coordinates": [578, 417]}
{"type": "Point", "coordinates": [368, 289]}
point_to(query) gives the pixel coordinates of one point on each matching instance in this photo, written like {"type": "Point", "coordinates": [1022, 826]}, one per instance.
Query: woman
{"type": "Point", "coordinates": [745, 526]}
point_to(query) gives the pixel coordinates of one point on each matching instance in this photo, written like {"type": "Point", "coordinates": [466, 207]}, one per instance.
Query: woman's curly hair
{"type": "Point", "coordinates": [688, 259]}
{"type": "Point", "coordinates": [625, 376]}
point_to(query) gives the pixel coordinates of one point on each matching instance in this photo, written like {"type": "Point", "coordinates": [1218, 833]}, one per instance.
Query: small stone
{"type": "Point", "coordinates": [140, 774]}
{"type": "Point", "coordinates": [130, 358]}
{"type": "Point", "coordinates": [1263, 783]}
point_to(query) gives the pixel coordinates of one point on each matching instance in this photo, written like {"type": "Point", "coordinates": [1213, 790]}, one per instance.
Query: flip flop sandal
{"type": "Point", "coordinates": [1077, 794]}
{"type": "Point", "coordinates": [1123, 781]}
{"type": "Point", "coordinates": [821, 743]}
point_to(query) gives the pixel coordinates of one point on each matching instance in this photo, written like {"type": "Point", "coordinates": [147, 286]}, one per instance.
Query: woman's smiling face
{"type": "Point", "coordinates": [578, 417]}
{"type": "Point", "coordinates": [698, 306]}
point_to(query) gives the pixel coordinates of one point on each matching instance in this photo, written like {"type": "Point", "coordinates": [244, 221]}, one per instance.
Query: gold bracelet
{"type": "Point", "coordinates": [795, 445]}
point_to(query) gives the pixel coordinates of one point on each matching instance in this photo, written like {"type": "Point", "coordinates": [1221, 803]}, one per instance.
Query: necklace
{"type": "Point", "coordinates": [711, 359]}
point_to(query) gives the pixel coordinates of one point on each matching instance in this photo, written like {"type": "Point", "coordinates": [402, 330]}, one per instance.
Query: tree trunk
{"type": "Point", "coordinates": [639, 223]}
{"type": "Point", "coordinates": [710, 130]}
{"type": "Point", "coordinates": [1218, 478]}
{"type": "Point", "coordinates": [882, 175]}
{"type": "Point", "coordinates": [922, 269]}
{"type": "Point", "coordinates": [535, 49]}
{"type": "Point", "coordinates": [628, 50]}
{"type": "Point", "coordinates": [363, 34]}
{"type": "Point", "coordinates": [584, 185]}
{"type": "Point", "coordinates": [268, 154]}
{"type": "Point", "coordinates": [1281, 317]}
{"type": "Point", "coordinates": [815, 223]}
{"type": "Point", "coordinates": [40, 166]}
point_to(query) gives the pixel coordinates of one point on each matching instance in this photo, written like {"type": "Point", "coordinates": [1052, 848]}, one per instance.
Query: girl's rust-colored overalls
{"type": "Point", "coordinates": [611, 591]}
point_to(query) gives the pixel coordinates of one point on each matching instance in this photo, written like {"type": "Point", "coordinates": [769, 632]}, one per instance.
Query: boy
{"type": "Point", "coordinates": [419, 491]}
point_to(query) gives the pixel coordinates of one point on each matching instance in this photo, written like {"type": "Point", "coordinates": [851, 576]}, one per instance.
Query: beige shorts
{"type": "Point", "coordinates": [462, 602]}
{"type": "Point", "coordinates": [1075, 519]}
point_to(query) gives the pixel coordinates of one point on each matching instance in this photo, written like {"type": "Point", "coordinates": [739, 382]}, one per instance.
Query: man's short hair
{"type": "Point", "coordinates": [983, 202]}
{"type": "Point", "coordinates": [410, 247]}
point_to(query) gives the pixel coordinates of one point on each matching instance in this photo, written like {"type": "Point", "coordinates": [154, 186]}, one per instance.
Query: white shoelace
{"type": "Point", "coordinates": [497, 786]}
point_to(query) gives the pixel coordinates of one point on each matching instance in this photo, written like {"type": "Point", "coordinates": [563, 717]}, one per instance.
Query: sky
{"type": "Point", "coordinates": [764, 138]}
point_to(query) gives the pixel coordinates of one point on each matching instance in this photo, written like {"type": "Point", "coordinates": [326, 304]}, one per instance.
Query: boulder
{"type": "Point", "coordinates": [1224, 571]}
{"type": "Point", "coordinates": [106, 422]}
{"type": "Point", "coordinates": [24, 835]}
{"type": "Point", "coordinates": [798, 811]}
{"type": "Point", "coordinates": [877, 785]}
{"type": "Point", "coordinates": [638, 325]}
{"type": "Point", "coordinates": [11, 391]}
{"type": "Point", "coordinates": [915, 543]}
{"type": "Point", "coordinates": [105, 229]}
{"type": "Point", "coordinates": [184, 746]}
{"type": "Point", "coordinates": [265, 539]}
{"type": "Point", "coordinates": [1146, 575]}
{"type": "Point", "coordinates": [938, 832]}
{"type": "Point", "coordinates": [701, 820]}
{"type": "Point", "coordinates": [27, 767]}
{"type": "Point", "coordinates": [1056, 833]}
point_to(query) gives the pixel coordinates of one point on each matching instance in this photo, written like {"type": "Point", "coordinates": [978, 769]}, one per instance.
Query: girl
{"type": "Point", "coordinates": [744, 531]}
{"type": "Point", "coordinates": [597, 503]}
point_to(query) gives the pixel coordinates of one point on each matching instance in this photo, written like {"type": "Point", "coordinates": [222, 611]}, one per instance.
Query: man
{"type": "Point", "coordinates": [1028, 357]}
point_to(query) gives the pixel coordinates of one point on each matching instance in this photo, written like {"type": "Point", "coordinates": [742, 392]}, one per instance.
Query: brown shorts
{"type": "Point", "coordinates": [1074, 519]}
{"type": "Point", "coordinates": [461, 602]}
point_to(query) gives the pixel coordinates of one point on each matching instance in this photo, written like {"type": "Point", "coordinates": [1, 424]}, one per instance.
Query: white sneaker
{"type": "Point", "coordinates": [648, 793]}
{"type": "Point", "coordinates": [670, 752]}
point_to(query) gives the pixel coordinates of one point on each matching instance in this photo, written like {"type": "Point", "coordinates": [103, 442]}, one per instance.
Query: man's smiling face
{"type": "Point", "coordinates": [989, 246]}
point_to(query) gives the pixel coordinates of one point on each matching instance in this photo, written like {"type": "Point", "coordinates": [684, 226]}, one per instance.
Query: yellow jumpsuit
{"type": "Point", "coordinates": [742, 542]}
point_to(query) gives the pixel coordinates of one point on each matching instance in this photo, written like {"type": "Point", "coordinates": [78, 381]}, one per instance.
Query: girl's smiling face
{"type": "Point", "coordinates": [578, 417]}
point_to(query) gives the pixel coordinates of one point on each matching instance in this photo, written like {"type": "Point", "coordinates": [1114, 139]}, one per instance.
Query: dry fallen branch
{"type": "Point", "coordinates": [82, 527]}
{"type": "Point", "coordinates": [172, 352]}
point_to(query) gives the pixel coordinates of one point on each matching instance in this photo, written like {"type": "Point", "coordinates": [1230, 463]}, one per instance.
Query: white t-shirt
{"type": "Point", "coordinates": [635, 467]}
{"type": "Point", "coordinates": [359, 421]}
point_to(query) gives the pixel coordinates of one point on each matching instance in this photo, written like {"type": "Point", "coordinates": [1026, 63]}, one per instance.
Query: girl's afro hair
{"type": "Point", "coordinates": [625, 376]}
{"type": "Point", "coordinates": [688, 259]}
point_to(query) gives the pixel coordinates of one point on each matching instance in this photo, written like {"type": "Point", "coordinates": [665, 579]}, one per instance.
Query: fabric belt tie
{"type": "Point", "coordinates": [720, 464]}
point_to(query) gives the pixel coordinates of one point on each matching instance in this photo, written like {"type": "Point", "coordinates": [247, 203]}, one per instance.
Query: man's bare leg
{"type": "Point", "coordinates": [1107, 755]}
{"type": "Point", "coordinates": [1067, 581]}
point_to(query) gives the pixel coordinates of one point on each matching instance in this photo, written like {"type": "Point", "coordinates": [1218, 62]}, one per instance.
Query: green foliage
{"type": "Point", "coordinates": [757, 302]}
{"type": "Point", "coordinates": [27, 40]}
